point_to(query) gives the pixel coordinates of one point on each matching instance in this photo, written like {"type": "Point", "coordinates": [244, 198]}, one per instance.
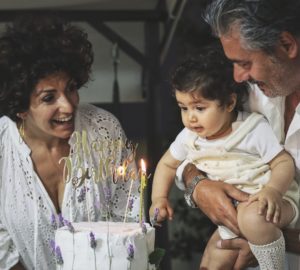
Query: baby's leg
{"type": "Point", "coordinates": [215, 258]}
{"type": "Point", "coordinates": [265, 238]}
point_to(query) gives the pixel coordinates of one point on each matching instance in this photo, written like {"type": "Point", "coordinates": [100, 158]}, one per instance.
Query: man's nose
{"type": "Point", "coordinates": [240, 74]}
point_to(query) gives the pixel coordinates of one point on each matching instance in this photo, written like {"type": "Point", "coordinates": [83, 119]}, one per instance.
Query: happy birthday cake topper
{"type": "Point", "coordinates": [96, 160]}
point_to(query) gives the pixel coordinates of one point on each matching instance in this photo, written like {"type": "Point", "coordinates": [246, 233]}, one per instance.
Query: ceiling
{"type": "Point", "coordinates": [80, 4]}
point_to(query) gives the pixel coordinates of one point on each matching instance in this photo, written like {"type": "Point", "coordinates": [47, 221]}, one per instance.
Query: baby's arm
{"type": "Point", "coordinates": [270, 197]}
{"type": "Point", "coordinates": [163, 179]}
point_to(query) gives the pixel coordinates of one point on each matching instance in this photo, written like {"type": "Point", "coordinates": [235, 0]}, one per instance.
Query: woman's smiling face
{"type": "Point", "coordinates": [52, 107]}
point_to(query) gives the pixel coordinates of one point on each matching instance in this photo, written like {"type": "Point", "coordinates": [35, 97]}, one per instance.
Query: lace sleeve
{"type": "Point", "coordinates": [9, 255]}
{"type": "Point", "coordinates": [8, 252]}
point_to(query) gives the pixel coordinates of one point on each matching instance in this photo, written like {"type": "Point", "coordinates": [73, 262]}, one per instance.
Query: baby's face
{"type": "Point", "coordinates": [204, 117]}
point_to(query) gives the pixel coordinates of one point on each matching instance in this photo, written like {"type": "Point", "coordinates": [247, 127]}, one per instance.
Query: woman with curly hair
{"type": "Point", "coordinates": [48, 171]}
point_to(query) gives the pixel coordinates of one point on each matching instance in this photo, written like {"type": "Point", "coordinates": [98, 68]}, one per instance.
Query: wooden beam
{"type": "Point", "coordinates": [82, 15]}
{"type": "Point", "coordinates": [124, 45]}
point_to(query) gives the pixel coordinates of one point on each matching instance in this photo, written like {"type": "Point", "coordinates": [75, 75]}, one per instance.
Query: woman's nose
{"type": "Point", "coordinates": [66, 104]}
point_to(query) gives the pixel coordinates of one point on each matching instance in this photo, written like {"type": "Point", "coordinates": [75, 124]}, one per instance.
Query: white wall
{"type": "Point", "coordinates": [129, 72]}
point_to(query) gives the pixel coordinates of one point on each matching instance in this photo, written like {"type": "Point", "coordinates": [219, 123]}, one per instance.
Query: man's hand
{"type": "Point", "coordinates": [245, 257]}
{"type": "Point", "coordinates": [214, 198]}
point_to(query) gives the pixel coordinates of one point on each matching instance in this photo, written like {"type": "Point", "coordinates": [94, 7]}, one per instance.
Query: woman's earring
{"type": "Point", "coordinates": [22, 130]}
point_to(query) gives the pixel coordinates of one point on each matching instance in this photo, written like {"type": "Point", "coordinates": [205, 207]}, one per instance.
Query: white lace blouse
{"type": "Point", "coordinates": [25, 206]}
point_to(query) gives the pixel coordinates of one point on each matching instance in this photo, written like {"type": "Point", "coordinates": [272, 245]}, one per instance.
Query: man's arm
{"type": "Point", "coordinates": [214, 198]}
{"type": "Point", "coordinates": [245, 257]}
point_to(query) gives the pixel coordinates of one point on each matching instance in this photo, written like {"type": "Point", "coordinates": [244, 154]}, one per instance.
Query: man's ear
{"type": "Point", "coordinates": [289, 44]}
{"type": "Point", "coordinates": [232, 103]}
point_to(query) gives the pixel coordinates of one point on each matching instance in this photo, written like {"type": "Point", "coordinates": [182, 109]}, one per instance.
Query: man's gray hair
{"type": "Point", "coordinates": [260, 22]}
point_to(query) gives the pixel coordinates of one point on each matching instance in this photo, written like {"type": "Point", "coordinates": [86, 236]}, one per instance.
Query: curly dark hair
{"type": "Point", "coordinates": [34, 47]}
{"type": "Point", "coordinates": [209, 74]}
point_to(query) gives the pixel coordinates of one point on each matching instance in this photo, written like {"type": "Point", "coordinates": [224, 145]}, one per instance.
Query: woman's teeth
{"type": "Point", "coordinates": [62, 120]}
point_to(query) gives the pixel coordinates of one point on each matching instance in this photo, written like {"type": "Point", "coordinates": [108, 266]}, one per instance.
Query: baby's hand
{"type": "Point", "coordinates": [164, 209]}
{"type": "Point", "coordinates": [269, 202]}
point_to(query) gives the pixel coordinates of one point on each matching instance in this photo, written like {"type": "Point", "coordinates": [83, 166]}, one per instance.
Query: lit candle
{"type": "Point", "coordinates": [143, 185]}
{"type": "Point", "coordinates": [121, 172]}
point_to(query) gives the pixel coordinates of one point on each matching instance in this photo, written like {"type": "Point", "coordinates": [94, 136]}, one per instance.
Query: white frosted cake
{"type": "Point", "coordinates": [111, 246]}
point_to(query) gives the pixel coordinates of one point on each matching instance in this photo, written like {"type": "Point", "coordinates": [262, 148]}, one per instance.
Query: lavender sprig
{"type": "Point", "coordinates": [58, 256]}
{"type": "Point", "coordinates": [60, 220]}
{"type": "Point", "coordinates": [52, 246]}
{"type": "Point", "coordinates": [130, 204]}
{"type": "Point", "coordinates": [69, 225]}
{"type": "Point", "coordinates": [153, 221]}
{"type": "Point", "coordinates": [130, 252]}
{"type": "Point", "coordinates": [81, 195]}
{"type": "Point", "coordinates": [144, 227]}
{"type": "Point", "coordinates": [93, 242]}
{"type": "Point", "coordinates": [53, 222]}
{"type": "Point", "coordinates": [107, 195]}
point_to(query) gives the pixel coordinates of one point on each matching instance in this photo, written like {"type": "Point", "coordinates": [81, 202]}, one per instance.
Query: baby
{"type": "Point", "coordinates": [233, 146]}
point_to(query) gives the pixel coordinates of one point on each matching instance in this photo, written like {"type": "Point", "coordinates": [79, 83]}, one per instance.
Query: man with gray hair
{"type": "Point", "coordinates": [262, 39]}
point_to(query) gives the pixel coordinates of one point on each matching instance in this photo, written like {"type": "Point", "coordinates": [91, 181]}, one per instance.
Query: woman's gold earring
{"type": "Point", "coordinates": [22, 129]}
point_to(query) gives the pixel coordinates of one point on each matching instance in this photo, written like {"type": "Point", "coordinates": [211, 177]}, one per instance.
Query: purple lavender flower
{"type": "Point", "coordinates": [52, 246]}
{"type": "Point", "coordinates": [81, 196]}
{"type": "Point", "coordinates": [130, 252]}
{"type": "Point", "coordinates": [69, 225]}
{"type": "Point", "coordinates": [97, 204]}
{"type": "Point", "coordinates": [107, 195]}
{"type": "Point", "coordinates": [60, 220]}
{"type": "Point", "coordinates": [53, 222]}
{"type": "Point", "coordinates": [58, 256]}
{"type": "Point", "coordinates": [144, 227]}
{"type": "Point", "coordinates": [153, 221]}
{"type": "Point", "coordinates": [130, 204]}
{"type": "Point", "coordinates": [93, 242]}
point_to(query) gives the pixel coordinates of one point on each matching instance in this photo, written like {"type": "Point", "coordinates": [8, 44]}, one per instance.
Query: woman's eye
{"type": "Point", "coordinates": [183, 108]}
{"type": "Point", "coordinates": [47, 98]}
{"type": "Point", "coordinates": [200, 109]}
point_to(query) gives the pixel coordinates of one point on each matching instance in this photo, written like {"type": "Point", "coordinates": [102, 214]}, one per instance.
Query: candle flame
{"type": "Point", "coordinates": [120, 171]}
{"type": "Point", "coordinates": [143, 165]}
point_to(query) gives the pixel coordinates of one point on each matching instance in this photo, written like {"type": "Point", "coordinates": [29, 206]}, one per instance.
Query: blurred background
{"type": "Point", "coordinates": [136, 45]}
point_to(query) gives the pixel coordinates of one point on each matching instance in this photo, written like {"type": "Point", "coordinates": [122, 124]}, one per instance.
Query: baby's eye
{"type": "Point", "coordinates": [183, 108]}
{"type": "Point", "coordinates": [200, 109]}
{"type": "Point", "coordinates": [48, 98]}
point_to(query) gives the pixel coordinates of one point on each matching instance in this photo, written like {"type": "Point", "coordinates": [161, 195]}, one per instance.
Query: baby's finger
{"type": "Point", "coordinates": [262, 204]}
{"type": "Point", "coordinates": [170, 212]}
{"type": "Point", "coordinates": [277, 213]}
{"type": "Point", "coordinates": [270, 211]}
{"type": "Point", "coordinates": [163, 214]}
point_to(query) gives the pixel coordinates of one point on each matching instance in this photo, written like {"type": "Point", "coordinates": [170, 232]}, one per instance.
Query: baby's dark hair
{"type": "Point", "coordinates": [209, 74]}
{"type": "Point", "coordinates": [34, 47]}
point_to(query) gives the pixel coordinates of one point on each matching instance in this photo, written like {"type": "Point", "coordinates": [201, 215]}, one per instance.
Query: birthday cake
{"type": "Point", "coordinates": [105, 246]}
